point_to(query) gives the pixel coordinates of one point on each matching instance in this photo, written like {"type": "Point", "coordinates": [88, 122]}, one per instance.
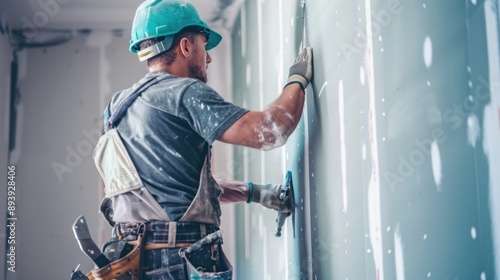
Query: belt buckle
{"type": "Point", "coordinates": [132, 230]}
{"type": "Point", "coordinates": [141, 229]}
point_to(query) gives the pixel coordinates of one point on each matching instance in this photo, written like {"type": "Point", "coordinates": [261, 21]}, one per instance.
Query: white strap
{"type": "Point", "coordinates": [172, 233]}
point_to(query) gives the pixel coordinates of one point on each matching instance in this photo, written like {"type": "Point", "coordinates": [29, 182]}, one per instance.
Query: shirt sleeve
{"type": "Point", "coordinates": [207, 112]}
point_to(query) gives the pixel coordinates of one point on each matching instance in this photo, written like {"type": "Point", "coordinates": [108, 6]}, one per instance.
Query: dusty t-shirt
{"type": "Point", "coordinates": [167, 132]}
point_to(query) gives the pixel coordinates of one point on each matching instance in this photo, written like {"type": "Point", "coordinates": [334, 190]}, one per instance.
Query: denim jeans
{"type": "Point", "coordinates": [167, 264]}
{"type": "Point", "coordinates": [164, 264]}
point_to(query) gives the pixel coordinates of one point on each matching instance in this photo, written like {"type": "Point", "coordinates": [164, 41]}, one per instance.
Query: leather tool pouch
{"type": "Point", "coordinates": [128, 264]}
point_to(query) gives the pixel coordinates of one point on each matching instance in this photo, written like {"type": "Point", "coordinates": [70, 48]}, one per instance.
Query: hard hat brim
{"type": "Point", "coordinates": [213, 39]}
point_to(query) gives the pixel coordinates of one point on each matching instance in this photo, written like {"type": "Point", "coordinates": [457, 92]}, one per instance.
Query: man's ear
{"type": "Point", "coordinates": [185, 47]}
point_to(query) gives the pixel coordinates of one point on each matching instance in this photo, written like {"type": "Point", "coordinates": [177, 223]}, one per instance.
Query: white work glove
{"type": "Point", "coordinates": [267, 196]}
{"type": "Point", "coordinates": [301, 71]}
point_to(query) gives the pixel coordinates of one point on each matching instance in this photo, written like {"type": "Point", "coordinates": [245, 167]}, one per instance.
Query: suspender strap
{"type": "Point", "coordinates": [203, 230]}
{"type": "Point", "coordinates": [172, 233]}
{"type": "Point", "coordinates": [110, 120]}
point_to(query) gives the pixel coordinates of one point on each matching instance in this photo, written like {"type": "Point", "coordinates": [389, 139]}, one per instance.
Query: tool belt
{"type": "Point", "coordinates": [126, 267]}
{"type": "Point", "coordinates": [169, 234]}
{"type": "Point", "coordinates": [130, 239]}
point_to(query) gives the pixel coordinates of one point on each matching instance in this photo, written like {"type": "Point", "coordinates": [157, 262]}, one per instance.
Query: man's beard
{"type": "Point", "coordinates": [196, 71]}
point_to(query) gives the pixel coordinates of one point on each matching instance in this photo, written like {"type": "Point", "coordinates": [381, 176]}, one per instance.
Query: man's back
{"type": "Point", "coordinates": [167, 132]}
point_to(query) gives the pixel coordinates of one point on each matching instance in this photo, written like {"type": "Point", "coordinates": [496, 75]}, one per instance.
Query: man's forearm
{"type": "Point", "coordinates": [234, 191]}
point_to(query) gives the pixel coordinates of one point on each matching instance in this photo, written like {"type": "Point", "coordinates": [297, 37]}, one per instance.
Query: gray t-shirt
{"type": "Point", "coordinates": [167, 132]}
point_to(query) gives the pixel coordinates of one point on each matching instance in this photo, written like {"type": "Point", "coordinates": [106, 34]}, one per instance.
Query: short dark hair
{"type": "Point", "coordinates": [169, 56]}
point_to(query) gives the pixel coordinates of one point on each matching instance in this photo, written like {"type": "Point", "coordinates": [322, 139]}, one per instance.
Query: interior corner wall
{"type": "Point", "coordinates": [5, 93]}
{"type": "Point", "coordinates": [394, 161]}
{"type": "Point", "coordinates": [63, 93]}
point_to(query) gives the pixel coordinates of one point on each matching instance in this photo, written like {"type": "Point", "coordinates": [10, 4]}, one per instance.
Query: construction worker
{"type": "Point", "coordinates": [167, 133]}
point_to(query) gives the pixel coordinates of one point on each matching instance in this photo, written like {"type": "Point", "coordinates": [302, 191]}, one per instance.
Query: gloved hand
{"type": "Point", "coordinates": [267, 196]}
{"type": "Point", "coordinates": [301, 71]}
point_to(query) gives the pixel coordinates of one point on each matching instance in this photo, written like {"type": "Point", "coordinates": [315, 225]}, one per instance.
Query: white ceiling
{"type": "Point", "coordinates": [100, 14]}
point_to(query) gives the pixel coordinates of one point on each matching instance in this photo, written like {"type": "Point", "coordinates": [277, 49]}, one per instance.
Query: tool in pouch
{"type": "Point", "coordinates": [76, 274]}
{"type": "Point", "coordinates": [87, 245]}
{"type": "Point", "coordinates": [118, 260]}
{"type": "Point", "coordinates": [287, 197]}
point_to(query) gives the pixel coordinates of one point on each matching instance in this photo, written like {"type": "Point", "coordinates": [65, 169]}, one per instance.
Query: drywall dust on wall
{"type": "Point", "coordinates": [393, 161]}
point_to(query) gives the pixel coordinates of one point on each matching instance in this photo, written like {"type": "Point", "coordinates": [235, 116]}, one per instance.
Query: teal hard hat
{"type": "Point", "coordinates": [165, 18]}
